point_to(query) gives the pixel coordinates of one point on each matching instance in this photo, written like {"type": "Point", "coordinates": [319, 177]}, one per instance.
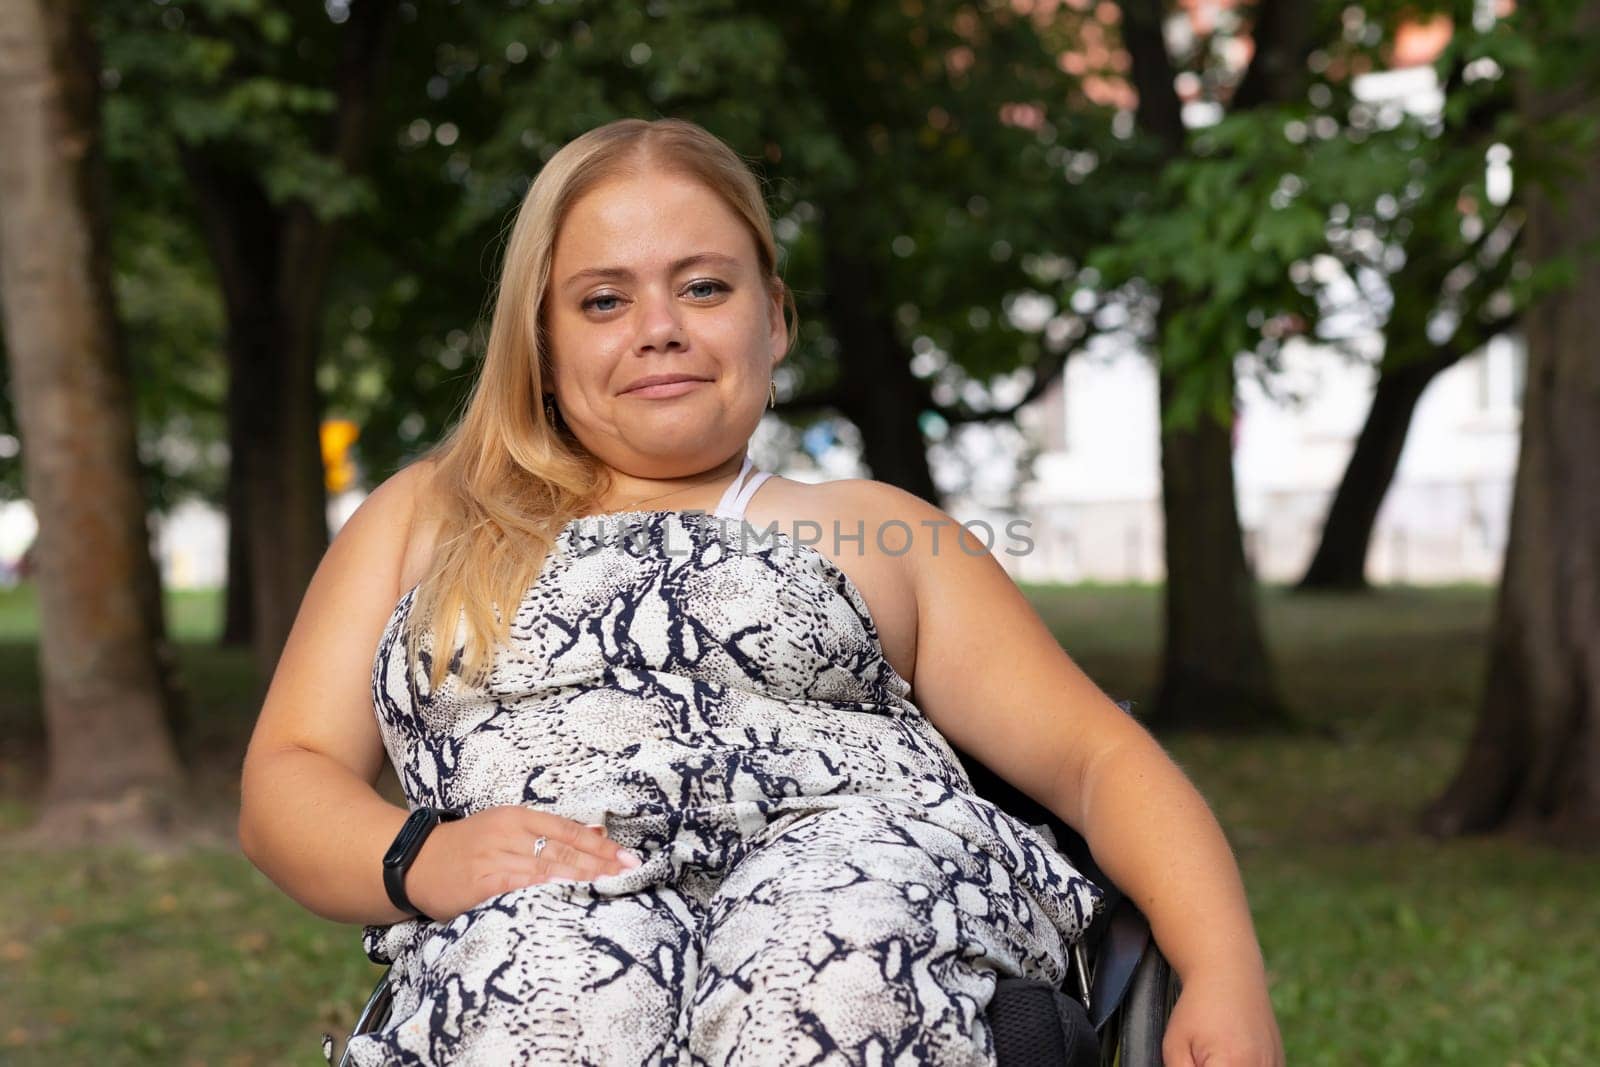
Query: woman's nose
{"type": "Point", "coordinates": [660, 322]}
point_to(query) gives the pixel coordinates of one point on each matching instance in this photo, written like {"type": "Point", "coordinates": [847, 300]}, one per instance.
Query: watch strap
{"type": "Point", "coordinates": [413, 834]}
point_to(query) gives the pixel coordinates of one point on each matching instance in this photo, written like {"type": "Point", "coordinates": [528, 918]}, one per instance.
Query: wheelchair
{"type": "Point", "coordinates": [1111, 1009]}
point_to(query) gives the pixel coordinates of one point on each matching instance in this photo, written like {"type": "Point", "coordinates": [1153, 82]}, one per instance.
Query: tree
{"type": "Point", "coordinates": [1458, 253]}
{"type": "Point", "coordinates": [1533, 761]}
{"type": "Point", "coordinates": [112, 760]}
{"type": "Point", "coordinates": [272, 108]}
{"type": "Point", "coordinates": [952, 131]}
{"type": "Point", "coordinates": [1215, 668]}
{"type": "Point", "coordinates": [1236, 214]}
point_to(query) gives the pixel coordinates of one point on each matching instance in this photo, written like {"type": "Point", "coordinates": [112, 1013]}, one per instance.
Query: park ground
{"type": "Point", "coordinates": [1383, 947]}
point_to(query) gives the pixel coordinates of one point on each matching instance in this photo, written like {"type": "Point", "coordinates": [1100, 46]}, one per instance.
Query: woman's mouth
{"type": "Point", "coordinates": [661, 390]}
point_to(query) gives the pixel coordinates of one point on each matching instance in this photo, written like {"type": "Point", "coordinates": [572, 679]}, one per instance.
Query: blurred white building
{"type": "Point", "coordinates": [1095, 500]}
{"type": "Point", "coordinates": [190, 544]}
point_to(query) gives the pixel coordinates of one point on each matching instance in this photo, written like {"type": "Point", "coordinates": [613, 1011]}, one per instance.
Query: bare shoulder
{"type": "Point", "coordinates": [897, 521]}
{"type": "Point", "coordinates": [424, 520]}
{"type": "Point", "coordinates": [934, 550]}
{"type": "Point", "coordinates": [380, 527]}
{"type": "Point", "coordinates": [929, 533]}
{"type": "Point", "coordinates": [845, 498]}
{"type": "Point", "coordinates": [823, 515]}
{"type": "Point", "coordinates": [399, 495]}
{"type": "Point", "coordinates": [391, 518]}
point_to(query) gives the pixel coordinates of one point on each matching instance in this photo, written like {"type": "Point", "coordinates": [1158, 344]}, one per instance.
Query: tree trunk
{"type": "Point", "coordinates": [879, 393]}
{"type": "Point", "coordinates": [274, 261]}
{"type": "Point", "coordinates": [1533, 762]}
{"type": "Point", "coordinates": [280, 460]}
{"type": "Point", "coordinates": [275, 476]}
{"type": "Point", "coordinates": [279, 464]}
{"type": "Point", "coordinates": [1216, 673]}
{"type": "Point", "coordinates": [112, 763]}
{"type": "Point", "coordinates": [239, 623]}
{"type": "Point", "coordinates": [1340, 562]}
{"type": "Point", "coordinates": [238, 611]}
{"type": "Point", "coordinates": [1411, 361]}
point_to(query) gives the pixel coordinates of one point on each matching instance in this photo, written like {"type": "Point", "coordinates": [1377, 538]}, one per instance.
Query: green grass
{"type": "Point", "coordinates": [1383, 947]}
{"type": "Point", "coordinates": [191, 615]}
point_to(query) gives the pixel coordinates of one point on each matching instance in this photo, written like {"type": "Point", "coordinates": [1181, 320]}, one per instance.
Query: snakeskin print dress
{"type": "Point", "coordinates": [820, 883]}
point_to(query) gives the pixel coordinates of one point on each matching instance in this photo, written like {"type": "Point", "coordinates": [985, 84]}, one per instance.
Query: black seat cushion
{"type": "Point", "coordinates": [1036, 1025]}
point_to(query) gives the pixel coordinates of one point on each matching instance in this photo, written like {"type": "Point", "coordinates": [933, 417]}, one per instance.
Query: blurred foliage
{"type": "Point", "coordinates": [1237, 225]}
{"type": "Point", "coordinates": [1009, 217]}
{"type": "Point", "coordinates": [837, 108]}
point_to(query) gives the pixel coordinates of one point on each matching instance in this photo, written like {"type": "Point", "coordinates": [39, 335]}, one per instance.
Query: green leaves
{"type": "Point", "coordinates": [320, 183]}
{"type": "Point", "coordinates": [950, 136]}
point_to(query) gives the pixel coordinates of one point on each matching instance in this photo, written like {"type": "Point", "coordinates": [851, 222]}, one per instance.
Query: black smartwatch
{"type": "Point", "coordinates": [407, 843]}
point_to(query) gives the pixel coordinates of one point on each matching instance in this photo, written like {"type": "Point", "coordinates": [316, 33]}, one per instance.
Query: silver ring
{"type": "Point", "coordinates": [538, 847]}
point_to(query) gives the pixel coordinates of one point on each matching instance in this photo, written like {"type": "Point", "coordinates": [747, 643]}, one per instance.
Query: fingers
{"type": "Point", "coordinates": [572, 862]}
{"type": "Point", "coordinates": [573, 851]}
{"type": "Point", "coordinates": [586, 844]}
{"type": "Point", "coordinates": [553, 871]}
{"type": "Point", "coordinates": [521, 872]}
{"type": "Point", "coordinates": [594, 856]}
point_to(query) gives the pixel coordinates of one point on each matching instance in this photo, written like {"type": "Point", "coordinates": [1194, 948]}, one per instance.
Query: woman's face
{"type": "Point", "coordinates": [629, 301]}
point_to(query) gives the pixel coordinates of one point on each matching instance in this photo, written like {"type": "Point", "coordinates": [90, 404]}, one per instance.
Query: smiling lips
{"type": "Point", "coordinates": [663, 385]}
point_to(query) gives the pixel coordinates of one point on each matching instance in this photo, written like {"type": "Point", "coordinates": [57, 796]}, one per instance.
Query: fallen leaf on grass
{"type": "Point", "coordinates": [254, 941]}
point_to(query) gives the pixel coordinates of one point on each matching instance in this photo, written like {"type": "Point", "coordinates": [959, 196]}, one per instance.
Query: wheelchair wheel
{"type": "Point", "coordinates": [1132, 1036]}
{"type": "Point", "coordinates": [373, 1016]}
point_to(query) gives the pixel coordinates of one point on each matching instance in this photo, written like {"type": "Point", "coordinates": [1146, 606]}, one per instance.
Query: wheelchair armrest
{"type": "Point", "coordinates": [1132, 1037]}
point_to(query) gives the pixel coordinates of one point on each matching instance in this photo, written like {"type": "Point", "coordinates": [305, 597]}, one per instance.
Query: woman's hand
{"type": "Point", "coordinates": [465, 862]}
{"type": "Point", "coordinates": [1223, 1020]}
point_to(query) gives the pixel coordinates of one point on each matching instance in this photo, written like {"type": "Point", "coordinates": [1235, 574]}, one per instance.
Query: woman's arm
{"type": "Point", "coordinates": [995, 682]}
{"type": "Point", "coordinates": [309, 815]}
{"type": "Point", "coordinates": [319, 832]}
{"type": "Point", "coordinates": [1153, 835]}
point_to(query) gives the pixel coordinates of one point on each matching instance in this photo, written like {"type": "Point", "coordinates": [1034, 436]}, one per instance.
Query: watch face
{"type": "Point", "coordinates": [410, 838]}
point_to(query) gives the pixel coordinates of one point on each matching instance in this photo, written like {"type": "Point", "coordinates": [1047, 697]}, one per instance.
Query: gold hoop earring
{"type": "Point", "coordinates": [772, 395]}
{"type": "Point", "coordinates": [550, 407]}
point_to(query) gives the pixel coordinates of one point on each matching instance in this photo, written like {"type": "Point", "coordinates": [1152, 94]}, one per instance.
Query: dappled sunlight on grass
{"type": "Point", "coordinates": [120, 957]}
{"type": "Point", "coordinates": [1412, 952]}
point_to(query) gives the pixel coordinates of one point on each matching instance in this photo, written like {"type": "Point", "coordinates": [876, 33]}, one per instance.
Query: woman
{"type": "Point", "coordinates": [677, 806]}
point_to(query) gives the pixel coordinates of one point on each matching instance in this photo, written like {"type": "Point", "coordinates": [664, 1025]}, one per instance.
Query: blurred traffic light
{"type": "Point", "coordinates": [337, 437]}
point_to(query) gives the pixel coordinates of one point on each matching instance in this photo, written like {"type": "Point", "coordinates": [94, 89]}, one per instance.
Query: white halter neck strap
{"type": "Point", "coordinates": [739, 491]}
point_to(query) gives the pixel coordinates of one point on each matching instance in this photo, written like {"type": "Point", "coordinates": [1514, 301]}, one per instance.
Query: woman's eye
{"type": "Point", "coordinates": [715, 287]}
{"type": "Point", "coordinates": [697, 289]}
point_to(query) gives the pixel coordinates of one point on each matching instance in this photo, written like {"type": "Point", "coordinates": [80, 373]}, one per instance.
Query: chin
{"type": "Point", "coordinates": [676, 437]}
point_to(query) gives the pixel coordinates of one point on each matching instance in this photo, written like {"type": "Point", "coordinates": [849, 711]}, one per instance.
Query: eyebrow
{"type": "Point", "coordinates": [605, 273]}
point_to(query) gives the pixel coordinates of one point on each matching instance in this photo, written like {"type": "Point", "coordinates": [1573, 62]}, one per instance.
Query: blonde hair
{"type": "Point", "coordinates": [505, 480]}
